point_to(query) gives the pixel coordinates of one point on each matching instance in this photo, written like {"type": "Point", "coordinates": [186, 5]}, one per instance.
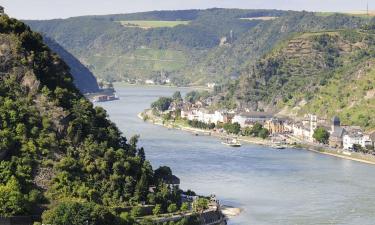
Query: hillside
{"type": "Point", "coordinates": [327, 73]}
{"type": "Point", "coordinates": [115, 52]}
{"type": "Point", "coordinates": [58, 154]}
{"type": "Point", "coordinates": [188, 46]}
{"type": "Point", "coordinates": [84, 80]}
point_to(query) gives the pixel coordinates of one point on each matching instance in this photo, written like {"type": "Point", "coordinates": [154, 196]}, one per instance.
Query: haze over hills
{"type": "Point", "coordinates": [201, 46]}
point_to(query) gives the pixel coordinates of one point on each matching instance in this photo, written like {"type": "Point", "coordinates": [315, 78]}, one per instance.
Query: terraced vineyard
{"type": "Point", "coordinates": [149, 24]}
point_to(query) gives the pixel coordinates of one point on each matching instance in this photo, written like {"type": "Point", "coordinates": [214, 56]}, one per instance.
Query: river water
{"type": "Point", "coordinates": [271, 186]}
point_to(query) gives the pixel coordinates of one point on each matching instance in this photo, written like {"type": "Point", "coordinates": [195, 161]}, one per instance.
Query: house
{"type": "Point", "coordinates": [250, 118]}
{"type": "Point", "coordinates": [302, 131]}
{"type": "Point", "coordinates": [336, 134]}
{"type": "Point", "coordinates": [275, 125]}
{"type": "Point", "coordinates": [356, 139]}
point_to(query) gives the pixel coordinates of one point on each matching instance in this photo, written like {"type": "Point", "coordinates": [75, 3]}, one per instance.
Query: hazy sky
{"type": "Point", "coordinates": [47, 9]}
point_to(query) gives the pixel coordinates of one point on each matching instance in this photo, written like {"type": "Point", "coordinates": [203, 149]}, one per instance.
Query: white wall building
{"type": "Point", "coordinates": [149, 82]}
{"type": "Point", "coordinates": [356, 139]}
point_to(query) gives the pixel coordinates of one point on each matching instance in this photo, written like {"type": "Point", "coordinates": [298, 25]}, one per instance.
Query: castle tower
{"type": "Point", "coordinates": [313, 123]}
{"type": "Point", "coordinates": [336, 123]}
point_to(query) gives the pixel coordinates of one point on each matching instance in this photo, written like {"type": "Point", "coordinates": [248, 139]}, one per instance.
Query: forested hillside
{"type": "Point", "coordinates": [59, 154]}
{"type": "Point", "coordinates": [84, 80]}
{"type": "Point", "coordinates": [203, 46]}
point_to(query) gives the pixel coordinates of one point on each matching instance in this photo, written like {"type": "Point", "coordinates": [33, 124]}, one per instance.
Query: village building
{"type": "Point", "coordinates": [275, 125]}
{"type": "Point", "coordinates": [336, 134]}
{"type": "Point", "coordinates": [357, 138]}
{"type": "Point", "coordinates": [149, 82]}
{"type": "Point", "coordinates": [250, 118]}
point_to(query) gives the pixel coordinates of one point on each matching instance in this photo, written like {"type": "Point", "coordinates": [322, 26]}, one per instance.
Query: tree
{"type": "Point", "coordinates": [136, 211]}
{"type": "Point", "coordinates": [184, 207]}
{"type": "Point", "coordinates": [12, 201]}
{"type": "Point", "coordinates": [157, 209]}
{"type": "Point", "coordinates": [177, 96]}
{"type": "Point", "coordinates": [72, 213]}
{"type": "Point", "coordinates": [233, 128]}
{"type": "Point", "coordinates": [263, 133]}
{"type": "Point", "coordinates": [321, 135]}
{"type": "Point", "coordinates": [201, 204]}
{"type": "Point", "coordinates": [162, 104]}
{"type": "Point", "coordinates": [172, 208]}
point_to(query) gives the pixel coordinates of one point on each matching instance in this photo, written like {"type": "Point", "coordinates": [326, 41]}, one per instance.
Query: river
{"type": "Point", "coordinates": [276, 187]}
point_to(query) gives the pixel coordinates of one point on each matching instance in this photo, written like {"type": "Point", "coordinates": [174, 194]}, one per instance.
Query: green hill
{"type": "Point", "coordinates": [84, 80]}
{"type": "Point", "coordinates": [58, 154]}
{"type": "Point", "coordinates": [190, 46]}
{"type": "Point", "coordinates": [327, 73]}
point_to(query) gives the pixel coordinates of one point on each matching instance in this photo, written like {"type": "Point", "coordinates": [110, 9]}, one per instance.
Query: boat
{"type": "Point", "coordinates": [279, 146]}
{"type": "Point", "coordinates": [231, 142]}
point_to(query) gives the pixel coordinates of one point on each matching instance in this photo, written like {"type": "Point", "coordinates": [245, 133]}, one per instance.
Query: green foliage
{"type": "Point", "coordinates": [195, 96]}
{"type": "Point", "coordinates": [257, 130]}
{"type": "Point", "coordinates": [136, 211]}
{"type": "Point", "coordinates": [162, 104]}
{"type": "Point", "coordinates": [48, 129]}
{"type": "Point", "coordinates": [201, 204]}
{"type": "Point", "coordinates": [11, 198]}
{"type": "Point", "coordinates": [201, 125]}
{"type": "Point", "coordinates": [172, 208]}
{"type": "Point", "coordinates": [72, 213]}
{"type": "Point", "coordinates": [321, 135]}
{"type": "Point", "coordinates": [184, 207]}
{"type": "Point", "coordinates": [177, 96]}
{"type": "Point", "coordinates": [157, 209]}
{"type": "Point", "coordinates": [232, 128]}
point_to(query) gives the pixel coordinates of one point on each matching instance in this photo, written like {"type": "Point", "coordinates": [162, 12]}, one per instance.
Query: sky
{"type": "Point", "coordinates": [51, 9]}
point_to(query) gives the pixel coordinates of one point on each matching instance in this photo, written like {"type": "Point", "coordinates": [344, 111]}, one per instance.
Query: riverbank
{"type": "Point", "coordinates": [357, 157]}
{"type": "Point", "coordinates": [125, 84]}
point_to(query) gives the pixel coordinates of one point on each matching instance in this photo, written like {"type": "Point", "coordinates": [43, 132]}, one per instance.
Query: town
{"type": "Point", "coordinates": [310, 130]}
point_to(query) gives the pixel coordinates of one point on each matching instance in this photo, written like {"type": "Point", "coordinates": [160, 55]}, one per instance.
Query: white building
{"type": "Point", "coordinates": [356, 139]}
{"type": "Point", "coordinates": [211, 85]}
{"type": "Point", "coordinates": [149, 82]}
{"type": "Point", "coordinates": [247, 119]}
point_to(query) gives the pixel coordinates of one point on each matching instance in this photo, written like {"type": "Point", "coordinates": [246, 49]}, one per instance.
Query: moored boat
{"type": "Point", "coordinates": [231, 142]}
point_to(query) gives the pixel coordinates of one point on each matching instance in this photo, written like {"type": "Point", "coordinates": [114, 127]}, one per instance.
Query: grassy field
{"type": "Point", "coordinates": [362, 13]}
{"type": "Point", "coordinates": [148, 24]}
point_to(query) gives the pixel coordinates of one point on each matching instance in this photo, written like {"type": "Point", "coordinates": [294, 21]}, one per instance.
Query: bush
{"type": "Point", "coordinates": [172, 208]}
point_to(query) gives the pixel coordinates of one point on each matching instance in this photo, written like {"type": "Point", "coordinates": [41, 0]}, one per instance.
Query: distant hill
{"type": "Point", "coordinates": [84, 80]}
{"type": "Point", "coordinates": [189, 46]}
{"type": "Point", "coordinates": [114, 51]}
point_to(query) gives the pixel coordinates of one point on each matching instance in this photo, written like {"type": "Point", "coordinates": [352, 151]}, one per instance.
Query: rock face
{"type": "Point", "coordinates": [84, 80]}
